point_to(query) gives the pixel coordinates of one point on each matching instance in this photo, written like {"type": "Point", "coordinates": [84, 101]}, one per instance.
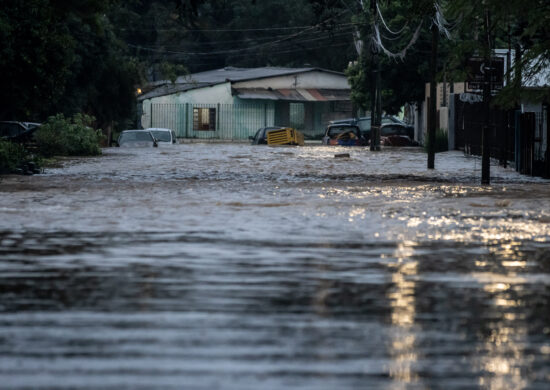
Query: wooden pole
{"type": "Point", "coordinates": [375, 87]}
{"type": "Point", "coordinates": [486, 133]}
{"type": "Point", "coordinates": [433, 99]}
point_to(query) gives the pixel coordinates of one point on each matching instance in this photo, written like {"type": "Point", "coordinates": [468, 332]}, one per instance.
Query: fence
{"type": "Point", "coordinates": [513, 136]}
{"type": "Point", "coordinates": [215, 121]}
{"type": "Point", "coordinates": [532, 149]}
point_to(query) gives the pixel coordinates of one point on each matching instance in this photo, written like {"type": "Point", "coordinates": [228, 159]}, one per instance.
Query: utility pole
{"type": "Point", "coordinates": [486, 134]}
{"type": "Point", "coordinates": [376, 101]}
{"type": "Point", "coordinates": [433, 97]}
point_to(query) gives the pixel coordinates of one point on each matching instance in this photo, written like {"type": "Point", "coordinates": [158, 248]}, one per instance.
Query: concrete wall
{"type": "Point", "coordinates": [456, 88]}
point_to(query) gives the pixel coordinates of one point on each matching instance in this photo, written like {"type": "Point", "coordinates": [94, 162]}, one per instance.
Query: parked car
{"type": "Point", "coordinates": [364, 124]}
{"type": "Point", "coordinates": [18, 131]}
{"type": "Point", "coordinates": [260, 138]}
{"type": "Point", "coordinates": [136, 139]}
{"type": "Point", "coordinates": [344, 135]}
{"type": "Point", "coordinates": [396, 134]}
{"type": "Point", "coordinates": [163, 136]}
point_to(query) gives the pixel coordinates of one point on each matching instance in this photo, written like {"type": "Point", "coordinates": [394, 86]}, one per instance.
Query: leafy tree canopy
{"type": "Point", "coordinates": [88, 55]}
{"type": "Point", "coordinates": [62, 56]}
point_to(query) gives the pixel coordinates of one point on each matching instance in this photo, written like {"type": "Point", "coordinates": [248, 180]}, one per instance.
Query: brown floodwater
{"type": "Point", "coordinates": [227, 266]}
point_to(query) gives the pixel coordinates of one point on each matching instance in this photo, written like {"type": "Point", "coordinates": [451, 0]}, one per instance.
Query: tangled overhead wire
{"type": "Point", "coordinates": [401, 54]}
{"type": "Point", "coordinates": [386, 25]}
{"type": "Point", "coordinates": [378, 37]}
{"type": "Point", "coordinates": [441, 22]}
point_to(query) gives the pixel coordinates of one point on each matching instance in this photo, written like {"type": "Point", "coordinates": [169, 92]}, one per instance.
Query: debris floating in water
{"type": "Point", "coordinates": [341, 155]}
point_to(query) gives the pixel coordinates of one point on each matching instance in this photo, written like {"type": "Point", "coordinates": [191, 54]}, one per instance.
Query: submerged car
{"type": "Point", "coordinates": [344, 135]}
{"type": "Point", "coordinates": [396, 134]}
{"type": "Point", "coordinates": [136, 139]}
{"type": "Point", "coordinates": [163, 136]}
{"type": "Point", "coordinates": [21, 132]}
{"type": "Point", "coordinates": [364, 124]}
{"type": "Point", "coordinates": [260, 138]}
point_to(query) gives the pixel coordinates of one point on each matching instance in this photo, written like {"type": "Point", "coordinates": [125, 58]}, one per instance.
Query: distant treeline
{"type": "Point", "coordinates": [89, 56]}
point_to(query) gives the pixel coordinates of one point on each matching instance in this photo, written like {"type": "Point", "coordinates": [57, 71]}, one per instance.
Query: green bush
{"type": "Point", "coordinates": [11, 156]}
{"type": "Point", "coordinates": [60, 136]}
{"type": "Point", "coordinates": [441, 141]}
{"type": "Point", "coordinates": [14, 158]}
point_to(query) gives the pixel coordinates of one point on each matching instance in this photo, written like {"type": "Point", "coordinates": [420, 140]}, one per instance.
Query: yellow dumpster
{"type": "Point", "coordinates": [285, 136]}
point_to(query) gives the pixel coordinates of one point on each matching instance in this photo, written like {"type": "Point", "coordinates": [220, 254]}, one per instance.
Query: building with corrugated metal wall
{"type": "Point", "coordinates": [233, 103]}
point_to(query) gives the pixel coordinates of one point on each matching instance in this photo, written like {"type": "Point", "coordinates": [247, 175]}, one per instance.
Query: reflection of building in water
{"type": "Point", "coordinates": [402, 302]}
{"type": "Point", "coordinates": [502, 363]}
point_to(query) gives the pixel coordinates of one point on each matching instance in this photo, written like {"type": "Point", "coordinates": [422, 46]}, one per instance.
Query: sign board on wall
{"type": "Point", "coordinates": [476, 69]}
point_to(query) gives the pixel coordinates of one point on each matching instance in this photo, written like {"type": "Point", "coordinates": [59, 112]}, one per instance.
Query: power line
{"type": "Point", "coordinates": [386, 26]}
{"type": "Point", "coordinates": [345, 31]}
{"type": "Point", "coordinates": [273, 52]}
{"type": "Point", "coordinates": [259, 46]}
{"type": "Point", "coordinates": [243, 29]}
{"type": "Point", "coordinates": [233, 51]}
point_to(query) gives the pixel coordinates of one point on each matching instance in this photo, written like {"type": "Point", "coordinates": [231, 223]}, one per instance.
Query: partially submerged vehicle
{"type": "Point", "coordinates": [136, 139]}
{"type": "Point", "coordinates": [260, 138]}
{"type": "Point", "coordinates": [163, 136]}
{"type": "Point", "coordinates": [285, 136]}
{"type": "Point", "coordinates": [344, 135]}
{"type": "Point", "coordinates": [14, 131]}
{"type": "Point", "coordinates": [364, 124]}
{"type": "Point", "coordinates": [396, 134]}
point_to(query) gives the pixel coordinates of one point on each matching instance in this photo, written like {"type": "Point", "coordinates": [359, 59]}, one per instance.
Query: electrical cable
{"type": "Point", "coordinates": [231, 51]}
{"type": "Point", "coordinates": [401, 54]}
{"type": "Point", "coordinates": [441, 22]}
{"type": "Point", "coordinates": [259, 46]}
{"type": "Point", "coordinates": [346, 31]}
{"type": "Point", "coordinates": [271, 52]}
{"type": "Point", "coordinates": [237, 29]}
{"type": "Point", "coordinates": [386, 26]}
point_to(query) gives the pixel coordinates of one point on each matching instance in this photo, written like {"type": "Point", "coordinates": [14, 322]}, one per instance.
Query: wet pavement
{"type": "Point", "coordinates": [219, 266]}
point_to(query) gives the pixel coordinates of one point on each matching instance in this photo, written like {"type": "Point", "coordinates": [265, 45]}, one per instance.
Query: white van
{"type": "Point", "coordinates": [163, 136]}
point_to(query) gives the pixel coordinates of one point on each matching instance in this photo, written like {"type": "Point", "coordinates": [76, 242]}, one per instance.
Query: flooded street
{"type": "Point", "coordinates": [227, 266]}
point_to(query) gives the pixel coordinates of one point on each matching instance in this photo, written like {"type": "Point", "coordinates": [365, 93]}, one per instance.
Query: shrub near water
{"type": "Point", "coordinates": [61, 136]}
{"type": "Point", "coordinates": [14, 158]}
{"type": "Point", "coordinates": [11, 156]}
{"type": "Point", "coordinates": [441, 141]}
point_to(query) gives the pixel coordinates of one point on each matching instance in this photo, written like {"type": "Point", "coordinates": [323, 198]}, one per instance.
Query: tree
{"type": "Point", "coordinates": [403, 30]}
{"type": "Point", "coordinates": [35, 58]}
{"type": "Point", "coordinates": [208, 34]}
{"type": "Point", "coordinates": [524, 27]}
{"type": "Point", "coordinates": [62, 56]}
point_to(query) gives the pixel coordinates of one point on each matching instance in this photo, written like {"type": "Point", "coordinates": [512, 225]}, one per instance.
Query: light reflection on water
{"type": "Point", "coordinates": [226, 266]}
{"type": "Point", "coordinates": [402, 302]}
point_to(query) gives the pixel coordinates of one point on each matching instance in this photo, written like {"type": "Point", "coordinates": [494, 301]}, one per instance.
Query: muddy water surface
{"type": "Point", "coordinates": [239, 267]}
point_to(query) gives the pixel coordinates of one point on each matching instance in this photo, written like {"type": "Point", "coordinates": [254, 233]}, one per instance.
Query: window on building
{"type": "Point", "coordinates": [204, 119]}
